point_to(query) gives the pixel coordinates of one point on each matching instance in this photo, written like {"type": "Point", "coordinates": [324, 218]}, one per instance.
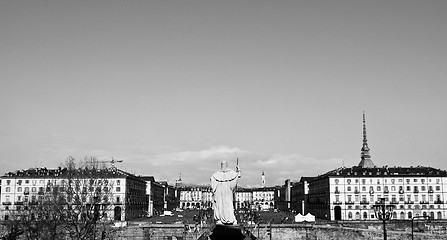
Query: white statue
{"type": "Point", "coordinates": [223, 184]}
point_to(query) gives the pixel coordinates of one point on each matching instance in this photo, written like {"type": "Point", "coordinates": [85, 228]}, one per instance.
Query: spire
{"type": "Point", "coordinates": [263, 179]}
{"type": "Point", "coordinates": [366, 158]}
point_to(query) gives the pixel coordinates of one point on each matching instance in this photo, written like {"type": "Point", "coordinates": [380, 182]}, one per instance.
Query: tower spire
{"type": "Point", "coordinates": [365, 156]}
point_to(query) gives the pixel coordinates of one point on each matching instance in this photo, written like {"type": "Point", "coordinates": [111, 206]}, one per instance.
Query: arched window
{"type": "Point", "coordinates": [357, 216]}
{"type": "Point", "coordinates": [349, 215]}
{"type": "Point", "coordinates": [365, 215]}
{"type": "Point", "coordinates": [394, 215]}
{"type": "Point", "coordinates": [439, 215]}
{"type": "Point", "coordinates": [410, 215]}
{"type": "Point", "coordinates": [378, 188]}
{"type": "Point", "coordinates": [402, 215]}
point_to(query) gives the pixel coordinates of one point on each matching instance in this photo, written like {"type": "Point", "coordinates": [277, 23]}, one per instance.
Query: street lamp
{"type": "Point", "coordinates": [383, 212]}
{"type": "Point", "coordinates": [412, 222]}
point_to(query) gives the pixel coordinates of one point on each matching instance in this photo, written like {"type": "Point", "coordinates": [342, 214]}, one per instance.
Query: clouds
{"type": "Point", "coordinates": [196, 166]}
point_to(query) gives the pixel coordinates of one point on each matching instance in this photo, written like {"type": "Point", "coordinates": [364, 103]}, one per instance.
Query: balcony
{"type": "Point", "coordinates": [40, 193]}
{"type": "Point", "coordinates": [409, 202]}
{"type": "Point", "coordinates": [371, 191]}
{"type": "Point", "coordinates": [337, 191]}
{"type": "Point", "coordinates": [439, 202]}
{"type": "Point", "coordinates": [349, 203]}
{"type": "Point", "coordinates": [356, 191]}
{"type": "Point", "coordinates": [6, 203]}
{"type": "Point", "coordinates": [416, 191]}
{"type": "Point", "coordinates": [394, 202]}
{"type": "Point", "coordinates": [423, 202]}
{"type": "Point", "coordinates": [33, 203]}
{"type": "Point", "coordinates": [386, 191]}
{"type": "Point", "coordinates": [401, 191]}
{"type": "Point", "coordinates": [26, 193]}
{"type": "Point", "coordinates": [18, 203]}
{"type": "Point", "coordinates": [364, 202]}
{"type": "Point", "coordinates": [337, 203]}
{"type": "Point", "coordinates": [430, 191]}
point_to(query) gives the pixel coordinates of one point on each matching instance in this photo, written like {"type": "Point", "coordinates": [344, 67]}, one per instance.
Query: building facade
{"type": "Point", "coordinates": [123, 194]}
{"type": "Point", "coordinates": [350, 193]}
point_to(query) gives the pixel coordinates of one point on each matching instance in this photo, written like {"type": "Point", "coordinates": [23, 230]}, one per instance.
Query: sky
{"type": "Point", "coordinates": [175, 87]}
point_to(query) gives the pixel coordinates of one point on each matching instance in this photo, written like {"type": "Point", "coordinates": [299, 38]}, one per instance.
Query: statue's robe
{"type": "Point", "coordinates": [223, 184]}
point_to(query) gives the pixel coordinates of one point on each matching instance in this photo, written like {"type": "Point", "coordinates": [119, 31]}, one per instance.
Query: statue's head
{"type": "Point", "coordinates": [224, 165]}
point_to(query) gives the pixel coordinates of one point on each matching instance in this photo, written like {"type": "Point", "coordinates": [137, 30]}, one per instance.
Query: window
{"type": "Point", "coordinates": [438, 188]}
{"type": "Point", "coordinates": [415, 180]}
{"type": "Point", "coordinates": [118, 182]}
{"type": "Point", "coordinates": [19, 189]}
{"type": "Point", "coordinates": [27, 181]}
{"type": "Point", "coordinates": [8, 182]}
{"type": "Point", "coordinates": [378, 188]}
{"type": "Point", "coordinates": [393, 188]}
{"type": "Point", "coordinates": [8, 189]}
{"type": "Point", "coordinates": [118, 189]}
{"type": "Point", "coordinates": [19, 182]}
{"type": "Point", "coordinates": [336, 181]}
{"type": "Point", "coordinates": [118, 199]}
{"type": "Point", "coordinates": [364, 188]}
{"type": "Point", "coordinates": [422, 188]}
{"type": "Point", "coordinates": [363, 181]}
{"type": "Point", "coordinates": [349, 188]}
{"type": "Point", "coordinates": [408, 188]}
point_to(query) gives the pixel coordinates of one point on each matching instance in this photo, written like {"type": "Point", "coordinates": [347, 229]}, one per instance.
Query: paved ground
{"type": "Point", "coordinates": [190, 217]}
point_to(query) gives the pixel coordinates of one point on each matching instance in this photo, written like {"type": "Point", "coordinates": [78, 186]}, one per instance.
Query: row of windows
{"type": "Point", "coordinates": [393, 181]}
{"type": "Point", "coordinates": [33, 189]}
{"type": "Point", "coordinates": [40, 198]}
{"type": "Point", "coordinates": [19, 182]}
{"type": "Point", "coordinates": [410, 198]}
{"type": "Point", "coordinates": [402, 215]}
{"type": "Point", "coordinates": [393, 188]}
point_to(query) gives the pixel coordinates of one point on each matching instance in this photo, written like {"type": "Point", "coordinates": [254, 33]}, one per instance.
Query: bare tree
{"type": "Point", "coordinates": [75, 204]}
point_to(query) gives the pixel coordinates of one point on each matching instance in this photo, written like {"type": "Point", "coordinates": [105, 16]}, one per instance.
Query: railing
{"type": "Point", "coordinates": [394, 202]}
{"type": "Point", "coordinates": [423, 202]}
{"type": "Point", "coordinates": [349, 202]}
{"type": "Point", "coordinates": [401, 191]}
{"type": "Point", "coordinates": [386, 191]}
{"type": "Point", "coordinates": [26, 193]}
{"type": "Point", "coordinates": [409, 202]}
{"type": "Point", "coordinates": [337, 191]}
{"type": "Point", "coordinates": [416, 191]}
{"type": "Point", "coordinates": [337, 203]}
{"type": "Point", "coordinates": [18, 203]}
{"type": "Point", "coordinates": [6, 203]}
{"type": "Point", "coordinates": [364, 202]}
{"type": "Point", "coordinates": [356, 191]}
{"type": "Point", "coordinates": [439, 202]}
{"type": "Point", "coordinates": [430, 191]}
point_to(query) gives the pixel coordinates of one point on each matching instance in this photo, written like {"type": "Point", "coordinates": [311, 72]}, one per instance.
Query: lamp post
{"type": "Point", "coordinates": [383, 212]}
{"type": "Point", "coordinates": [412, 224]}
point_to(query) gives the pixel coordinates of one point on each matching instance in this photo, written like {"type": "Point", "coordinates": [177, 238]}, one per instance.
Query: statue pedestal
{"type": "Point", "coordinates": [224, 232]}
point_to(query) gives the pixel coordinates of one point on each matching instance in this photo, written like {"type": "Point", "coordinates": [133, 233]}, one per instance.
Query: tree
{"type": "Point", "coordinates": [74, 203]}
